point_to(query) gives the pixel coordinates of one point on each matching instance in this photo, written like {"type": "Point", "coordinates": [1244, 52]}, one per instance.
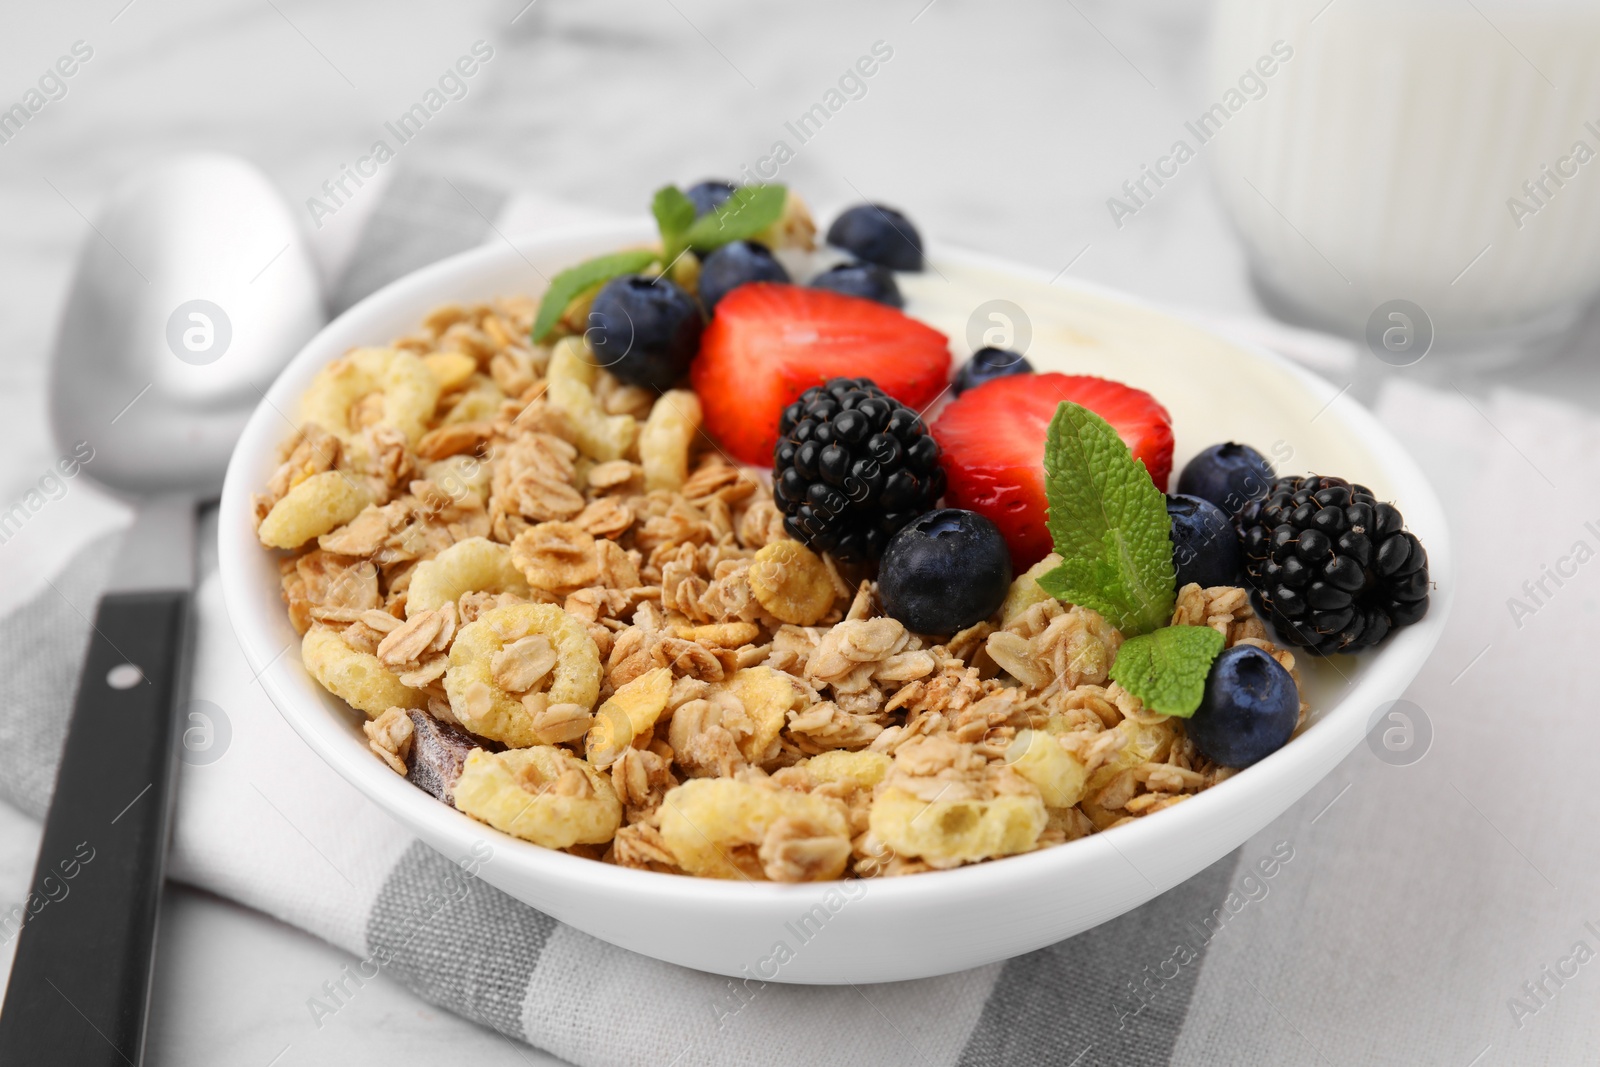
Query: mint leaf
{"type": "Point", "coordinates": [574, 280]}
{"type": "Point", "coordinates": [1167, 668]}
{"type": "Point", "coordinates": [749, 211]}
{"type": "Point", "coordinates": [1109, 523]}
{"type": "Point", "coordinates": [674, 214]}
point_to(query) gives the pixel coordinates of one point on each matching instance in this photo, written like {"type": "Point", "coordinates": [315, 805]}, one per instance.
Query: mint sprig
{"type": "Point", "coordinates": [1109, 523]}
{"type": "Point", "coordinates": [1167, 668]}
{"type": "Point", "coordinates": [574, 280]}
{"type": "Point", "coordinates": [674, 214]}
{"type": "Point", "coordinates": [749, 212]}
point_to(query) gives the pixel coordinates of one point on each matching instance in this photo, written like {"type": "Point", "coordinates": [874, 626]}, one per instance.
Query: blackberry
{"type": "Point", "coordinates": [853, 465]}
{"type": "Point", "coordinates": [1330, 568]}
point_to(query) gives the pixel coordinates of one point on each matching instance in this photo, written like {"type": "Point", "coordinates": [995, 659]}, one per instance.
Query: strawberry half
{"type": "Point", "coordinates": [993, 441]}
{"type": "Point", "coordinates": [768, 343]}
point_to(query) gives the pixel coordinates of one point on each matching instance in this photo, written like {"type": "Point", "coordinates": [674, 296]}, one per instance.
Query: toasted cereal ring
{"type": "Point", "coordinates": [409, 390]}
{"type": "Point", "coordinates": [863, 769]}
{"type": "Point", "coordinates": [667, 437]}
{"type": "Point", "coordinates": [711, 824]}
{"type": "Point", "coordinates": [541, 794]}
{"type": "Point", "coordinates": [792, 582]}
{"type": "Point", "coordinates": [450, 369]}
{"type": "Point", "coordinates": [356, 677]}
{"type": "Point", "coordinates": [489, 711]}
{"type": "Point", "coordinates": [571, 377]}
{"type": "Point", "coordinates": [631, 710]}
{"type": "Point", "coordinates": [321, 503]}
{"type": "Point", "coordinates": [476, 565]}
{"type": "Point", "coordinates": [950, 832]}
{"type": "Point", "coordinates": [1025, 590]}
{"type": "Point", "coordinates": [1038, 756]}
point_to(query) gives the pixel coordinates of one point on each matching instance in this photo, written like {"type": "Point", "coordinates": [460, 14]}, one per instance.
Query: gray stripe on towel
{"type": "Point", "coordinates": [42, 645]}
{"type": "Point", "coordinates": [456, 940]}
{"type": "Point", "coordinates": [1073, 1003]}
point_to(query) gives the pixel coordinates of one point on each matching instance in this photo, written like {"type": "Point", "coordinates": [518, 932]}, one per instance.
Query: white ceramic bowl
{"type": "Point", "coordinates": [935, 922]}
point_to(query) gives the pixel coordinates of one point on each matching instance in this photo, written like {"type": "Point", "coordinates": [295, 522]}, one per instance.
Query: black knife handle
{"type": "Point", "coordinates": [80, 981]}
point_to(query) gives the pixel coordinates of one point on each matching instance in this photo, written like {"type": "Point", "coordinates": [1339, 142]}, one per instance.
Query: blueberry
{"type": "Point", "coordinates": [878, 235]}
{"type": "Point", "coordinates": [1229, 475]}
{"type": "Point", "coordinates": [1205, 546]}
{"type": "Point", "coordinates": [708, 195]}
{"type": "Point", "coordinates": [987, 364]}
{"type": "Point", "coordinates": [645, 331]}
{"type": "Point", "coordinates": [1249, 710]}
{"type": "Point", "coordinates": [944, 572]}
{"type": "Point", "coordinates": [866, 280]}
{"type": "Point", "coordinates": [733, 265]}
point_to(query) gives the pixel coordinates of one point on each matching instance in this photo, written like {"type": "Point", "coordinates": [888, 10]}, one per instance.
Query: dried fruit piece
{"type": "Point", "coordinates": [318, 504]}
{"type": "Point", "coordinates": [483, 706]}
{"type": "Point", "coordinates": [358, 678]}
{"type": "Point", "coordinates": [438, 751]}
{"type": "Point", "coordinates": [476, 565]}
{"type": "Point", "coordinates": [792, 583]}
{"type": "Point", "coordinates": [716, 827]}
{"type": "Point", "coordinates": [541, 794]}
{"type": "Point", "coordinates": [632, 710]}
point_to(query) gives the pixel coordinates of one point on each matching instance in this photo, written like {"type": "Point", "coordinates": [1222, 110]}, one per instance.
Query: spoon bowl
{"type": "Point", "coordinates": [193, 292]}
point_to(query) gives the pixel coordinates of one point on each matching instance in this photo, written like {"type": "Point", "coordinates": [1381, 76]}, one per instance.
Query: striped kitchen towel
{"type": "Point", "coordinates": [1309, 945]}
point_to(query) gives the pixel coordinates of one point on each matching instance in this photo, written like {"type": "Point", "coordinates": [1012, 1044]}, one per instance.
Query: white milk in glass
{"type": "Point", "coordinates": [1424, 150]}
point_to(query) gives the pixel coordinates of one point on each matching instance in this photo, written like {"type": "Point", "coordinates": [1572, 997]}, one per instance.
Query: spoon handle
{"type": "Point", "coordinates": [80, 982]}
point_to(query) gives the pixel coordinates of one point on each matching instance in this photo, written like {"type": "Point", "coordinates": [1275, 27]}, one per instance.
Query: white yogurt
{"type": "Point", "coordinates": [1214, 390]}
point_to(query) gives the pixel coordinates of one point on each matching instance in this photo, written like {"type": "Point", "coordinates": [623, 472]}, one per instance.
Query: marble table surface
{"type": "Point", "coordinates": [1002, 127]}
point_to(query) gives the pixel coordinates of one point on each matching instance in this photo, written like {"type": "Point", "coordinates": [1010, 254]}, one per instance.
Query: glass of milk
{"type": "Point", "coordinates": [1435, 156]}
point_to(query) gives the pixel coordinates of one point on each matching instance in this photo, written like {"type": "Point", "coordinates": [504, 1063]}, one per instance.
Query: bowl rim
{"type": "Point", "coordinates": [297, 699]}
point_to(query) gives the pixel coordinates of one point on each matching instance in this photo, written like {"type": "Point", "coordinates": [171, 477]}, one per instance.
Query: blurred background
{"type": "Point", "coordinates": [1425, 152]}
{"type": "Point", "coordinates": [1013, 128]}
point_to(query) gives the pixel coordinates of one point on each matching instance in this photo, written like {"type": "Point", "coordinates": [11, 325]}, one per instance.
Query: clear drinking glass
{"type": "Point", "coordinates": [1440, 156]}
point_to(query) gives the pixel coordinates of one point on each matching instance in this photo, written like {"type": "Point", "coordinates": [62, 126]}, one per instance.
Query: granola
{"type": "Point", "coordinates": [567, 613]}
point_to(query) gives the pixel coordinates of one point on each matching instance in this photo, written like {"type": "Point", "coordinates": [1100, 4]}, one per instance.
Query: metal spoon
{"type": "Point", "coordinates": [194, 289]}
